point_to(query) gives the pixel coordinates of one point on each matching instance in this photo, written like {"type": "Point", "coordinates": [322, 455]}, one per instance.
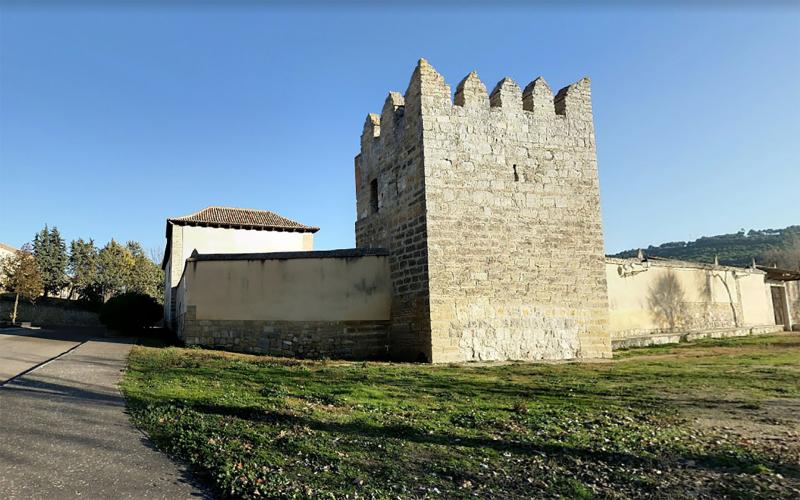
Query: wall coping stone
{"type": "Point", "coordinates": [343, 253]}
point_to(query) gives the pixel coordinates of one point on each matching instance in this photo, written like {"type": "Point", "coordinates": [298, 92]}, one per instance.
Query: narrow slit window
{"type": "Point", "coordinates": [373, 195]}
{"type": "Point", "coordinates": [516, 175]}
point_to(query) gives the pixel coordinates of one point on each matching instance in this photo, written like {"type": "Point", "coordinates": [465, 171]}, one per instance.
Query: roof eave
{"type": "Point", "coordinates": [780, 274]}
{"type": "Point", "coordinates": [304, 229]}
{"type": "Point", "coordinates": [342, 253]}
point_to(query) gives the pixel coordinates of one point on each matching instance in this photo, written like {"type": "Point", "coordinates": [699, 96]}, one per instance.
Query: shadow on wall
{"type": "Point", "coordinates": [793, 297]}
{"type": "Point", "coordinates": [666, 301]}
{"type": "Point", "coordinates": [723, 278]}
{"type": "Point", "coordinates": [706, 293]}
{"type": "Point", "coordinates": [796, 309]}
{"type": "Point", "coordinates": [794, 302]}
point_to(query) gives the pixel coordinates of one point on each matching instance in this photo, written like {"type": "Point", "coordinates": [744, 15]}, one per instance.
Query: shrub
{"type": "Point", "coordinates": [131, 312]}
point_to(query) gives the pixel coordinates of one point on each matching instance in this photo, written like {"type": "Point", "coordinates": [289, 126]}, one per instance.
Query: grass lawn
{"type": "Point", "coordinates": [714, 418]}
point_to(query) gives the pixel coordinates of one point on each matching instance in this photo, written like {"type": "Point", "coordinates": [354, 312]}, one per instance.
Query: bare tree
{"type": "Point", "coordinates": [786, 257]}
{"type": "Point", "coordinates": [156, 254]}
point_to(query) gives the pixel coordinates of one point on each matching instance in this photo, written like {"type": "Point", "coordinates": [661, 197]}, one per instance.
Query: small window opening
{"type": "Point", "coordinates": [373, 195]}
{"type": "Point", "coordinates": [516, 175]}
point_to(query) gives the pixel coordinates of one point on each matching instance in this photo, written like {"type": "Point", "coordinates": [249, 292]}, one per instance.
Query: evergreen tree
{"type": "Point", "coordinates": [51, 257]}
{"type": "Point", "coordinates": [83, 263]}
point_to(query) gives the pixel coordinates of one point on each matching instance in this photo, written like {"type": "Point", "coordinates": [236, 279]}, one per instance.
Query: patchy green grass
{"type": "Point", "coordinates": [715, 418]}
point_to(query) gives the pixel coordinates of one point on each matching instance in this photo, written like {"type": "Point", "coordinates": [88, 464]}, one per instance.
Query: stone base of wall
{"type": "Point", "coordinates": [299, 339]}
{"type": "Point", "coordinates": [674, 338]}
{"type": "Point", "coordinates": [514, 340]}
{"type": "Point", "coordinates": [693, 316]}
{"type": "Point", "coordinates": [478, 330]}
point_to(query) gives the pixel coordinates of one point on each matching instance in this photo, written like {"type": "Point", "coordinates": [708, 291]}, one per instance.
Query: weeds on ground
{"type": "Point", "coordinates": [266, 427]}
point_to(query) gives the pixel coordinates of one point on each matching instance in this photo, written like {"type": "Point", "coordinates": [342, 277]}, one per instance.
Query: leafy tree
{"type": "Point", "coordinates": [145, 276]}
{"type": "Point", "coordinates": [21, 275]}
{"type": "Point", "coordinates": [51, 257]}
{"type": "Point", "coordinates": [83, 263]}
{"type": "Point", "coordinates": [114, 268]}
{"type": "Point", "coordinates": [734, 249]}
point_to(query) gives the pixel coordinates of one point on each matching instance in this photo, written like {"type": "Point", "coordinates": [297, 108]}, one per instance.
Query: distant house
{"type": "Point", "coordinates": [7, 250]}
{"type": "Point", "coordinates": [225, 230]}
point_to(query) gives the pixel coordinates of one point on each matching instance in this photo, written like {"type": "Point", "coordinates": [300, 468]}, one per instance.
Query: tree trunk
{"type": "Point", "coordinates": [14, 314]}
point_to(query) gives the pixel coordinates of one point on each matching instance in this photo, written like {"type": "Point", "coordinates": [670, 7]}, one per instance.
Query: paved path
{"type": "Point", "coordinates": [22, 349]}
{"type": "Point", "coordinates": [63, 428]}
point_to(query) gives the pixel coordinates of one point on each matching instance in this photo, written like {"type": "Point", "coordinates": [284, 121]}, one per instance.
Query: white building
{"type": "Point", "coordinates": [225, 230]}
{"type": "Point", "coordinates": [6, 251]}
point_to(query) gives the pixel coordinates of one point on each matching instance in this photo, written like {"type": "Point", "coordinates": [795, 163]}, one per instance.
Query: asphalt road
{"type": "Point", "coordinates": [22, 349]}
{"type": "Point", "coordinates": [63, 428]}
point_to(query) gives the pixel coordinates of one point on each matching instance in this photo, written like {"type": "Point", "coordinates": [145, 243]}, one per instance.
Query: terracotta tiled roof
{"type": "Point", "coordinates": [242, 217]}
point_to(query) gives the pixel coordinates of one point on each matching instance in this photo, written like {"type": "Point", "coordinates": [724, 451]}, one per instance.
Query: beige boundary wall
{"type": "Point", "coordinates": [793, 295]}
{"type": "Point", "coordinates": [303, 304]}
{"type": "Point", "coordinates": [338, 303]}
{"type": "Point", "coordinates": [186, 239]}
{"type": "Point", "coordinates": [659, 296]}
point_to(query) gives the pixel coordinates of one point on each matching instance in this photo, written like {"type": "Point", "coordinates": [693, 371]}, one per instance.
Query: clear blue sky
{"type": "Point", "coordinates": [113, 119]}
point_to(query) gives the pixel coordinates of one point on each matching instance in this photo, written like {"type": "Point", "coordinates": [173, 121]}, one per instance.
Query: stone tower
{"type": "Point", "coordinates": [490, 208]}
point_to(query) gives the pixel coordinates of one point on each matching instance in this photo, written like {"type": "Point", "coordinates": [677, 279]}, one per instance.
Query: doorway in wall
{"type": "Point", "coordinates": [779, 306]}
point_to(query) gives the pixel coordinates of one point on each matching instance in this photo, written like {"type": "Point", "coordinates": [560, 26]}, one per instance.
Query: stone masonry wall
{"type": "Point", "coordinates": [511, 238]}
{"type": "Point", "coordinates": [391, 161]}
{"type": "Point", "coordinates": [515, 238]}
{"type": "Point", "coordinates": [47, 315]}
{"type": "Point", "coordinates": [173, 275]}
{"type": "Point", "coordinates": [302, 339]}
{"type": "Point", "coordinates": [793, 295]}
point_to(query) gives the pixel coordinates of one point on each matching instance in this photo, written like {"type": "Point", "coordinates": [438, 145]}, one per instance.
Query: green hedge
{"type": "Point", "coordinates": [131, 312]}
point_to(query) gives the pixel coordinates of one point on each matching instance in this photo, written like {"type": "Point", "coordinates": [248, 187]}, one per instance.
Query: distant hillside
{"type": "Point", "coordinates": [734, 249]}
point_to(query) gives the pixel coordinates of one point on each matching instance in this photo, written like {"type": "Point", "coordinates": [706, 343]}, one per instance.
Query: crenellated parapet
{"type": "Point", "coordinates": [372, 128]}
{"type": "Point", "coordinates": [471, 92]}
{"type": "Point", "coordinates": [506, 95]}
{"type": "Point", "coordinates": [429, 93]}
{"type": "Point", "coordinates": [427, 89]}
{"type": "Point", "coordinates": [575, 99]}
{"type": "Point", "coordinates": [538, 98]}
{"type": "Point", "coordinates": [426, 116]}
{"type": "Point", "coordinates": [392, 113]}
